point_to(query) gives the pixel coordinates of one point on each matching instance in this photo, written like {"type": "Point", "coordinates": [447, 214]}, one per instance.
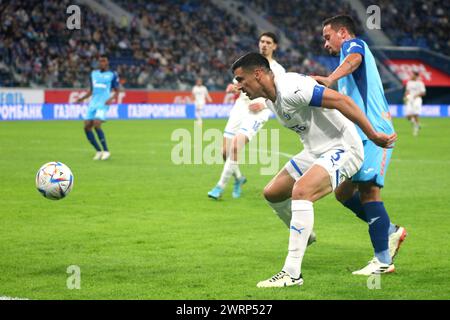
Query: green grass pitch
{"type": "Point", "coordinates": [140, 227]}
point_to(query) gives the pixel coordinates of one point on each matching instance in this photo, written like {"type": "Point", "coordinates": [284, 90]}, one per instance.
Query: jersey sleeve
{"type": "Point", "coordinates": [307, 92]}
{"type": "Point", "coordinates": [115, 81]}
{"type": "Point", "coordinates": [422, 88]}
{"type": "Point", "coordinates": [91, 84]}
{"type": "Point", "coordinates": [354, 46]}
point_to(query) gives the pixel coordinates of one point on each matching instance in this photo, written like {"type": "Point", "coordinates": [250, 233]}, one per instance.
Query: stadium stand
{"type": "Point", "coordinates": [412, 27]}
{"type": "Point", "coordinates": [187, 40]}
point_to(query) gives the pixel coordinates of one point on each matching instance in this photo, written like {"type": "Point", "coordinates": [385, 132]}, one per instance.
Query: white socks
{"type": "Point", "coordinates": [301, 226]}
{"type": "Point", "coordinates": [230, 168]}
{"type": "Point", "coordinates": [283, 210]}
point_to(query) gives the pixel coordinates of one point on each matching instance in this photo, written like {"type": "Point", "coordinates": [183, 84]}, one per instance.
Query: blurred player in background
{"type": "Point", "coordinates": [200, 95]}
{"type": "Point", "coordinates": [415, 90]}
{"type": "Point", "coordinates": [332, 148]}
{"type": "Point", "coordinates": [358, 78]}
{"type": "Point", "coordinates": [247, 117]}
{"type": "Point", "coordinates": [102, 82]}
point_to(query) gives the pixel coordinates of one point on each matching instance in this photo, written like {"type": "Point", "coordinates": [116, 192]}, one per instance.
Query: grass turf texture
{"type": "Point", "coordinates": [140, 227]}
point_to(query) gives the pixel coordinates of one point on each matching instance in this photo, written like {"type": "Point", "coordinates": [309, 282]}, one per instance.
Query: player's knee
{"type": "Point", "coordinates": [301, 193]}
{"type": "Point", "coordinates": [340, 196]}
{"type": "Point", "coordinates": [270, 194]}
{"type": "Point", "coordinates": [87, 126]}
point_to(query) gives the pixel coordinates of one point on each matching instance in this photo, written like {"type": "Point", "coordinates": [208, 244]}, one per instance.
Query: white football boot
{"type": "Point", "coordinates": [98, 155]}
{"type": "Point", "coordinates": [375, 267]}
{"type": "Point", "coordinates": [280, 280]}
{"type": "Point", "coordinates": [106, 155]}
{"type": "Point", "coordinates": [395, 241]}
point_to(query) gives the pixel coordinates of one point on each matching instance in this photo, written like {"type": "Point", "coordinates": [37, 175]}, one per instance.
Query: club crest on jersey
{"type": "Point", "coordinates": [353, 44]}
{"type": "Point", "coordinates": [286, 116]}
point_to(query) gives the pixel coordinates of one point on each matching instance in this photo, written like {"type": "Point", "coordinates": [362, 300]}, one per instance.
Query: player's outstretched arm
{"type": "Point", "coordinates": [334, 100]}
{"type": "Point", "coordinates": [350, 64]}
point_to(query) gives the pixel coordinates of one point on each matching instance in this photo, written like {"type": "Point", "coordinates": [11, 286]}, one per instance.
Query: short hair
{"type": "Point", "coordinates": [252, 61]}
{"type": "Point", "coordinates": [271, 35]}
{"type": "Point", "coordinates": [340, 21]}
{"type": "Point", "coordinates": [103, 55]}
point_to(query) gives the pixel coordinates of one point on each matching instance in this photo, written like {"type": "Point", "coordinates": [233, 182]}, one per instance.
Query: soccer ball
{"type": "Point", "coordinates": [54, 180]}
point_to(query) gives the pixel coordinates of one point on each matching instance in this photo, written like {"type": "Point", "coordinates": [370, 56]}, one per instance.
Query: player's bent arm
{"type": "Point", "coordinates": [87, 95]}
{"type": "Point", "coordinates": [334, 100]}
{"type": "Point", "coordinates": [350, 64]}
{"type": "Point", "coordinates": [114, 96]}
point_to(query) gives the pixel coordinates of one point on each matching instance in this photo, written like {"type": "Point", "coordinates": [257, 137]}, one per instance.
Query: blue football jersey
{"type": "Point", "coordinates": [364, 86]}
{"type": "Point", "coordinates": [102, 82]}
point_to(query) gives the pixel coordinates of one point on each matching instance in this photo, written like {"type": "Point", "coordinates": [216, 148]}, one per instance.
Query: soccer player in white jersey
{"type": "Point", "coordinates": [415, 90]}
{"type": "Point", "coordinates": [332, 148]}
{"type": "Point", "coordinates": [247, 117]}
{"type": "Point", "coordinates": [201, 95]}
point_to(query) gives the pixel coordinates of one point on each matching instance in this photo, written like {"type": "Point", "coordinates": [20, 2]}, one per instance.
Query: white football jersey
{"type": "Point", "coordinates": [415, 87]}
{"type": "Point", "coordinates": [200, 93]}
{"type": "Point", "coordinates": [297, 107]}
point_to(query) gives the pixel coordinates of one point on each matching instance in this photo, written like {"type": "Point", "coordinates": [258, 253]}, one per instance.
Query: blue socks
{"type": "Point", "coordinates": [354, 204]}
{"type": "Point", "coordinates": [378, 221]}
{"type": "Point", "coordinates": [101, 137]}
{"type": "Point", "coordinates": [380, 227]}
{"type": "Point", "coordinates": [90, 136]}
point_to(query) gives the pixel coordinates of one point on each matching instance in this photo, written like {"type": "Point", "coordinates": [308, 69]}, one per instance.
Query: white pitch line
{"type": "Point", "coordinates": [11, 298]}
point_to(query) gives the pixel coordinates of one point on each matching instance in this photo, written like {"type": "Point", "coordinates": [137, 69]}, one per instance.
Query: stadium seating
{"type": "Point", "coordinates": [187, 40]}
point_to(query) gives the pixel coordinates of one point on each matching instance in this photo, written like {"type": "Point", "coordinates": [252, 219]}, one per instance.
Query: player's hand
{"type": "Point", "coordinates": [384, 140]}
{"type": "Point", "coordinates": [256, 107]}
{"type": "Point", "coordinates": [323, 80]}
{"type": "Point", "coordinates": [108, 102]}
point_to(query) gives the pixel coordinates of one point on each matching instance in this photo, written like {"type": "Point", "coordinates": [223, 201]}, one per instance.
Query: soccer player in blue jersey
{"type": "Point", "coordinates": [102, 81]}
{"type": "Point", "coordinates": [358, 78]}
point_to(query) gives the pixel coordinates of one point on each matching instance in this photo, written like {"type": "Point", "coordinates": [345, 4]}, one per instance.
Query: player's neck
{"type": "Point", "coordinates": [271, 90]}
{"type": "Point", "coordinates": [269, 58]}
{"type": "Point", "coordinates": [349, 37]}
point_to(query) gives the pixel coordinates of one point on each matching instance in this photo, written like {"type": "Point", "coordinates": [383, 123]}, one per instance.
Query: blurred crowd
{"type": "Point", "coordinates": [187, 40]}
{"type": "Point", "coordinates": [416, 23]}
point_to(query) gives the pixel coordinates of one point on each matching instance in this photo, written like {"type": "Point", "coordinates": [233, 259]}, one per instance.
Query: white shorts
{"type": "Point", "coordinates": [413, 107]}
{"type": "Point", "coordinates": [340, 163]}
{"type": "Point", "coordinates": [243, 121]}
{"type": "Point", "coordinates": [199, 105]}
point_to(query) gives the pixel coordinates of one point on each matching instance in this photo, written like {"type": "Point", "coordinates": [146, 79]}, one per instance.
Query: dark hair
{"type": "Point", "coordinates": [270, 35]}
{"type": "Point", "coordinates": [103, 55]}
{"type": "Point", "coordinates": [252, 61]}
{"type": "Point", "coordinates": [340, 21]}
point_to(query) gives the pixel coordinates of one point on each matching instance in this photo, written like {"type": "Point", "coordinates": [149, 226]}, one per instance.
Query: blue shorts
{"type": "Point", "coordinates": [374, 167]}
{"type": "Point", "coordinates": [96, 113]}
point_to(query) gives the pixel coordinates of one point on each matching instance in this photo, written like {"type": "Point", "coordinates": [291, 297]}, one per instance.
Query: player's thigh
{"type": "Point", "coordinates": [345, 190]}
{"type": "Point", "coordinates": [88, 124]}
{"type": "Point", "coordinates": [369, 192]}
{"type": "Point", "coordinates": [280, 187]}
{"type": "Point", "coordinates": [313, 185]}
{"type": "Point", "coordinates": [97, 123]}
